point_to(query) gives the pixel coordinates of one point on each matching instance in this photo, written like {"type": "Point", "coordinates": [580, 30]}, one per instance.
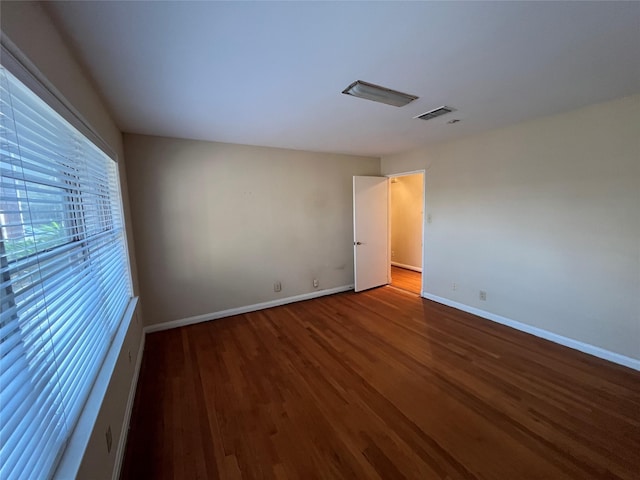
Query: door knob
{"type": "Point", "coordinates": [357, 243]}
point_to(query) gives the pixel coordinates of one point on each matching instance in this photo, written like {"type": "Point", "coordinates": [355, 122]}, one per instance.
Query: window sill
{"type": "Point", "coordinates": [74, 452]}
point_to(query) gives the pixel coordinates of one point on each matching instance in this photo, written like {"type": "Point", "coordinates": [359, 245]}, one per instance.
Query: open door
{"type": "Point", "coordinates": [370, 232]}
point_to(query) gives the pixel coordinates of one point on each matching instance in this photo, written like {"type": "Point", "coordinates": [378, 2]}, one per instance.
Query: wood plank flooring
{"type": "Point", "coordinates": [377, 385]}
{"type": "Point", "coordinates": [406, 279]}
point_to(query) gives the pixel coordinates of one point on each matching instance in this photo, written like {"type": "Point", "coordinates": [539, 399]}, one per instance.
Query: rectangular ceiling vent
{"type": "Point", "coordinates": [436, 112]}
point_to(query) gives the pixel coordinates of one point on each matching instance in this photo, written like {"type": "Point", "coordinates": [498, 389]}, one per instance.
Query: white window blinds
{"type": "Point", "coordinates": [65, 280]}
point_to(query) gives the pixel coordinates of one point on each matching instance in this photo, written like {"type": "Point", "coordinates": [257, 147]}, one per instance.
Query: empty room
{"type": "Point", "coordinates": [320, 240]}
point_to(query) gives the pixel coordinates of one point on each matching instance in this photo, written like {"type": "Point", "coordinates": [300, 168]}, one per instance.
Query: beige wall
{"type": "Point", "coordinates": [28, 26]}
{"type": "Point", "coordinates": [406, 219]}
{"type": "Point", "coordinates": [217, 224]}
{"type": "Point", "coordinates": [545, 217]}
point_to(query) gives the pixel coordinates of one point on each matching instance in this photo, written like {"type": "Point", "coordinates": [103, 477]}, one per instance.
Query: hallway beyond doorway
{"type": "Point", "coordinates": [406, 279]}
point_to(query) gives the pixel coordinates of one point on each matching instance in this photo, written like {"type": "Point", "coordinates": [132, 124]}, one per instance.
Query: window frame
{"type": "Point", "coordinates": [72, 454]}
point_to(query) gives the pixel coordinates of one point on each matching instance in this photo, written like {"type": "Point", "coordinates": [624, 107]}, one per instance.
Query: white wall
{"type": "Point", "coordinates": [29, 27]}
{"type": "Point", "coordinates": [217, 224]}
{"type": "Point", "coordinates": [545, 217]}
{"type": "Point", "coordinates": [405, 222]}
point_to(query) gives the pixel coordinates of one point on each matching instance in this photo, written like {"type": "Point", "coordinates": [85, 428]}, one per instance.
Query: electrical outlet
{"type": "Point", "coordinates": [316, 283]}
{"type": "Point", "coordinates": [483, 295]}
{"type": "Point", "coordinates": [454, 287]}
{"type": "Point", "coordinates": [393, 253]}
{"type": "Point", "coordinates": [109, 439]}
{"type": "Point", "coordinates": [277, 287]}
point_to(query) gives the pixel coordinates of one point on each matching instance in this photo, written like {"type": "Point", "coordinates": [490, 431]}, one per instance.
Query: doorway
{"type": "Point", "coordinates": [406, 230]}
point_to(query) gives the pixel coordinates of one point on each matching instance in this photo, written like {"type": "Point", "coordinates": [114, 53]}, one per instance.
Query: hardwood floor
{"type": "Point", "coordinates": [377, 385]}
{"type": "Point", "coordinates": [406, 279]}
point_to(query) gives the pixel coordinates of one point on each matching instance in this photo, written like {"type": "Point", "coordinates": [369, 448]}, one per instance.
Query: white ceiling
{"type": "Point", "coordinates": [271, 73]}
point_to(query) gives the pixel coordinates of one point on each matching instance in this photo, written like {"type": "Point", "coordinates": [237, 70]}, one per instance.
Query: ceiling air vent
{"type": "Point", "coordinates": [436, 112]}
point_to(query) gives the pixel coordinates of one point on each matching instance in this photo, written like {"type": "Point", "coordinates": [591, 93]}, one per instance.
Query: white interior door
{"type": "Point", "coordinates": [370, 232]}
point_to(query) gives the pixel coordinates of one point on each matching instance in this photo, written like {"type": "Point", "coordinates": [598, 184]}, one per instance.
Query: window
{"type": "Point", "coordinates": [65, 281]}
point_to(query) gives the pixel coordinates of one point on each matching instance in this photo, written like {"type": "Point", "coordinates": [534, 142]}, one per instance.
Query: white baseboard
{"type": "Point", "coordinates": [407, 267]}
{"type": "Point", "coordinates": [122, 443]}
{"type": "Point", "coordinates": [246, 309]}
{"type": "Point", "coordinates": [539, 332]}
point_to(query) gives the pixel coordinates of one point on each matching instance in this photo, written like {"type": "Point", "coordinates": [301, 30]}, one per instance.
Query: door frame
{"type": "Point", "coordinates": [424, 216]}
